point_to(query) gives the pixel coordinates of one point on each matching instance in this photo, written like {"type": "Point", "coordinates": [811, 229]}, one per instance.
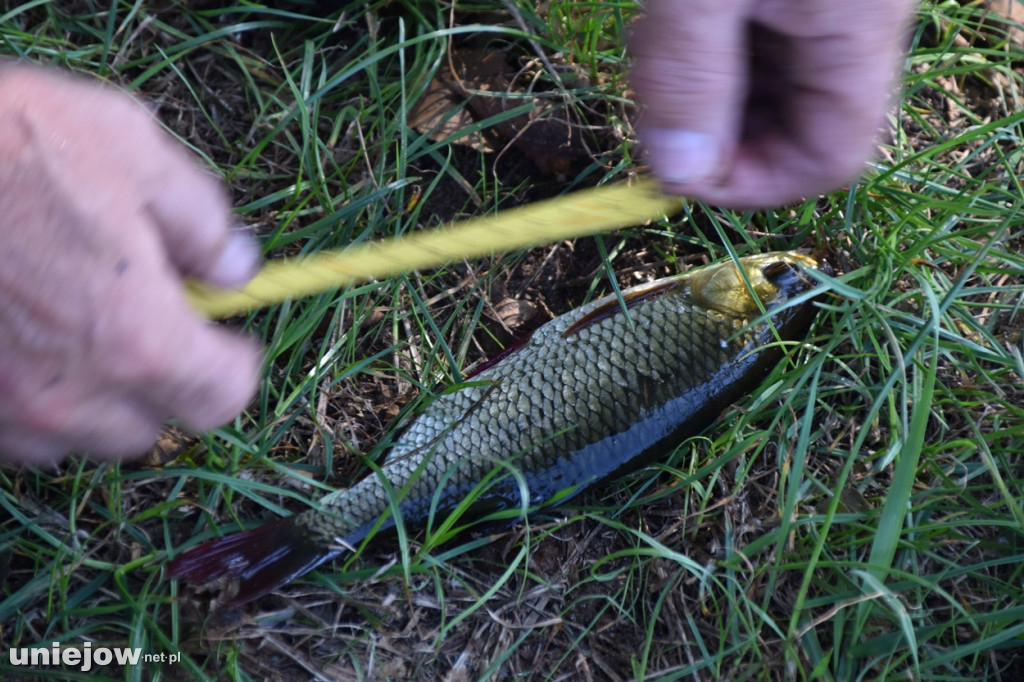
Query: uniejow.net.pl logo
{"type": "Point", "coordinates": [84, 656]}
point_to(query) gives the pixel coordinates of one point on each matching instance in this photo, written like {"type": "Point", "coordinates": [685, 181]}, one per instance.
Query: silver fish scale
{"type": "Point", "coordinates": [559, 409]}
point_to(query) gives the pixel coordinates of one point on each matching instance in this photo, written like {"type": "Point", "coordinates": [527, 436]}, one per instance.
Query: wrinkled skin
{"type": "Point", "coordinates": [756, 103]}
{"type": "Point", "coordinates": [101, 217]}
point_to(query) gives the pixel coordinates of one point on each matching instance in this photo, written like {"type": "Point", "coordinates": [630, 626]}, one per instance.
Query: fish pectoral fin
{"type": "Point", "coordinates": [262, 559]}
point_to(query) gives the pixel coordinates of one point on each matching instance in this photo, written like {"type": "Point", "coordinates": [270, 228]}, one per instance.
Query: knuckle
{"type": "Point", "coordinates": [29, 449]}
{"type": "Point", "coordinates": [127, 442]}
{"type": "Point", "coordinates": [41, 415]}
{"type": "Point", "coordinates": [133, 355]}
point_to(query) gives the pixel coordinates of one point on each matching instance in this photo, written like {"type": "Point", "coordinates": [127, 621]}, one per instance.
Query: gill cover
{"type": "Point", "coordinates": [772, 277]}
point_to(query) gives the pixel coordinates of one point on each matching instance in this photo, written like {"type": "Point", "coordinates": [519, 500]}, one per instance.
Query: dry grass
{"type": "Point", "coordinates": [861, 516]}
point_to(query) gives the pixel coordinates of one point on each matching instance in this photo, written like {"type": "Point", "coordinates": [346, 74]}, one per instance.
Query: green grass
{"type": "Point", "coordinates": [861, 516]}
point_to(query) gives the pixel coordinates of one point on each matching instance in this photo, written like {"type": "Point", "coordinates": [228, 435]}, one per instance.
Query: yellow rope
{"type": "Point", "coordinates": [582, 213]}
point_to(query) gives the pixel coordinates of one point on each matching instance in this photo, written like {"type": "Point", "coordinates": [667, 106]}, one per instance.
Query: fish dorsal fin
{"type": "Point", "coordinates": [491, 362]}
{"type": "Point", "coordinates": [613, 306]}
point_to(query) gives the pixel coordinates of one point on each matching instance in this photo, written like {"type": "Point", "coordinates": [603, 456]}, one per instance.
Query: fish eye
{"type": "Point", "coordinates": [777, 270]}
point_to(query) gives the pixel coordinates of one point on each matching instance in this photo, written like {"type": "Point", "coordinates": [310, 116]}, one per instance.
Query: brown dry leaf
{"type": "Point", "coordinates": [447, 108]}
{"type": "Point", "coordinates": [458, 97]}
{"type": "Point", "coordinates": [1013, 12]}
{"type": "Point", "coordinates": [440, 114]}
{"type": "Point", "coordinates": [513, 313]}
{"type": "Point", "coordinates": [172, 443]}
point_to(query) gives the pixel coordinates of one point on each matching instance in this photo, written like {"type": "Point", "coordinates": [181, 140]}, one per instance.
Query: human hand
{"type": "Point", "coordinates": [760, 102]}
{"type": "Point", "coordinates": [101, 217]}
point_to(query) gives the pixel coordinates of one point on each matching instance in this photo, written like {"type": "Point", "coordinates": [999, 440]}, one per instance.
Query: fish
{"type": "Point", "coordinates": [590, 395]}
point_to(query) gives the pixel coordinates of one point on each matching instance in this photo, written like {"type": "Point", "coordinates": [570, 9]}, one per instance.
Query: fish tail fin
{"type": "Point", "coordinates": [262, 559]}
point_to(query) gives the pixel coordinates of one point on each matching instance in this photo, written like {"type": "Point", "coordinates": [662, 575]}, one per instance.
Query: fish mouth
{"type": "Point", "coordinates": [791, 278]}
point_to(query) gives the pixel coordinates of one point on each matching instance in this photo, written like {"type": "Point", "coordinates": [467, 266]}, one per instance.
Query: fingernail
{"type": "Point", "coordinates": [238, 262]}
{"type": "Point", "coordinates": [680, 156]}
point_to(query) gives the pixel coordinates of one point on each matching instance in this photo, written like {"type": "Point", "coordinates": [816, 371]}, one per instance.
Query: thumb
{"type": "Point", "coordinates": [192, 212]}
{"type": "Point", "coordinates": [691, 75]}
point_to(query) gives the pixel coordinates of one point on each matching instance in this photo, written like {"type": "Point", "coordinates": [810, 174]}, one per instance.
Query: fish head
{"type": "Point", "coordinates": [771, 278]}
